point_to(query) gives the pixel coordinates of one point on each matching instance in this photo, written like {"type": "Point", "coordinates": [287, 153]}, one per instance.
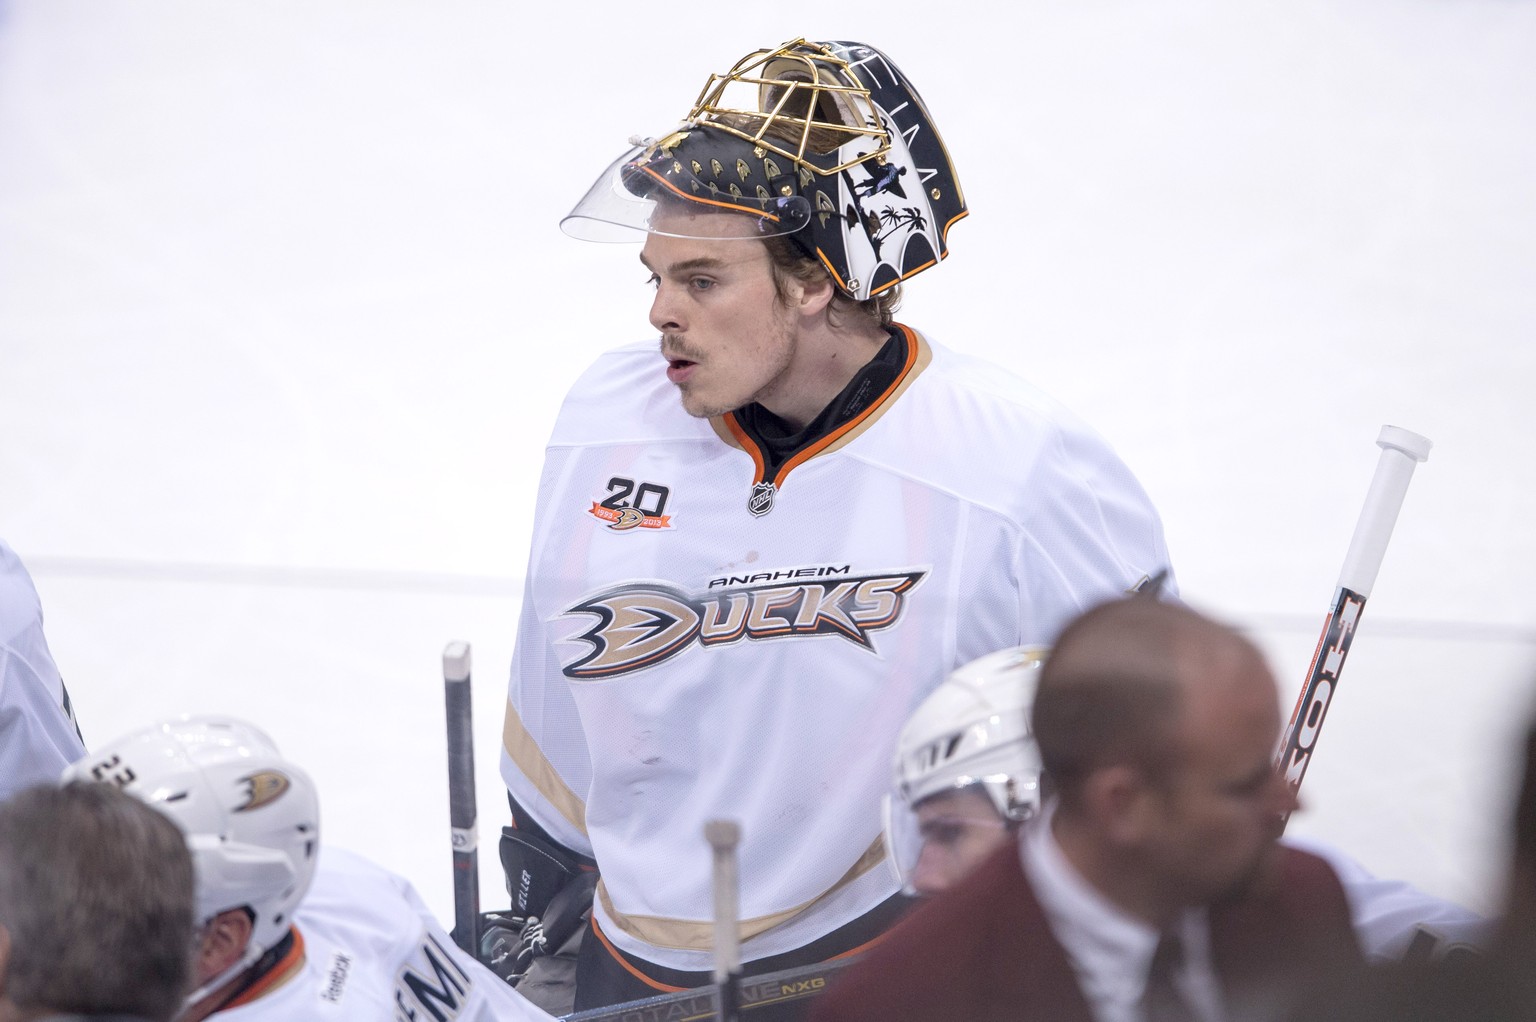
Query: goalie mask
{"type": "Point", "coordinates": [971, 733]}
{"type": "Point", "coordinates": [827, 144]}
{"type": "Point", "coordinates": [251, 817]}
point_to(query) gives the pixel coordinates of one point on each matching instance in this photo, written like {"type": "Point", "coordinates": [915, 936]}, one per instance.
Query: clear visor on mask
{"type": "Point", "coordinates": [951, 839]}
{"type": "Point", "coordinates": [903, 842]}
{"type": "Point", "coordinates": [648, 191]}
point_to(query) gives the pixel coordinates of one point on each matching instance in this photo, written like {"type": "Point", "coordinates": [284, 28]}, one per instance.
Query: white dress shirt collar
{"type": "Point", "coordinates": [1110, 951]}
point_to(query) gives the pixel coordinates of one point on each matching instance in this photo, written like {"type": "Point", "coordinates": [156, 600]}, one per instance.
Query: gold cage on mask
{"type": "Point", "coordinates": [801, 101]}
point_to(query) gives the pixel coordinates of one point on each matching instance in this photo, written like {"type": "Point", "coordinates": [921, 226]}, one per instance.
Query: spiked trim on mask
{"type": "Point", "coordinates": [730, 198]}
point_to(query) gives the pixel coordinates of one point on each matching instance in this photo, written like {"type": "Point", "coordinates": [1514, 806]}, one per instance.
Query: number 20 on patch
{"type": "Point", "coordinates": [633, 505]}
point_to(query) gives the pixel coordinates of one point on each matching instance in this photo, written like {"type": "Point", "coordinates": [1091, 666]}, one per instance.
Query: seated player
{"type": "Point", "coordinates": [968, 774]}
{"type": "Point", "coordinates": [290, 931]}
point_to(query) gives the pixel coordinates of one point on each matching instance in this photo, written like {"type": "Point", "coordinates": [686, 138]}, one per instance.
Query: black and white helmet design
{"type": "Point", "coordinates": [825, 143]}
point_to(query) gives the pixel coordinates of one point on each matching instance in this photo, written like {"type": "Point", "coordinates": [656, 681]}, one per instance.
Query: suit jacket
{"type": "Point", "coordinates": [984, 951]}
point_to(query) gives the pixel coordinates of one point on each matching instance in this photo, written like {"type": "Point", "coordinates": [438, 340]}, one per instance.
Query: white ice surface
{"type": "Point", "coordinates": [285, 316]}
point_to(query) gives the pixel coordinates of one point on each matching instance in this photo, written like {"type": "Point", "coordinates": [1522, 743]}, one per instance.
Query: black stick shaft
{"type": "Point", "coordinates": [461, 797]}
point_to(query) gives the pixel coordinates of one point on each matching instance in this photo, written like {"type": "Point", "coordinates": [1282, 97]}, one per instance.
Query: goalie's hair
{"type": "Point", "coordinates": [789, 262]}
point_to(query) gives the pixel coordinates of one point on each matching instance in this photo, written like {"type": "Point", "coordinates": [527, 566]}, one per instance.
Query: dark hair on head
{"type": "Point", "coordinates": [96, 890]}
{"type": "Point", "coordinates": [785, 131]}
{"type": "Point", "coordinates": [790, 262]}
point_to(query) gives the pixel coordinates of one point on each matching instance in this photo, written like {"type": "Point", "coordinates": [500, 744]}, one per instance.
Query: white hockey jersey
{"type": "Point", "coordinates": [38, 738]}
{"type": "Point", "coordinates": [1395, 920]}
{"type": "Point", "coordinates": [698, 641]}
{"type": "Point", "coordinates": [373, 951]}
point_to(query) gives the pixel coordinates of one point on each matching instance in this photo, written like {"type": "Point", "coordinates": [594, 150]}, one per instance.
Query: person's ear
{"type": "Point", "coordinates": [1121, 803]}
{"type": "Point", "coordinates": [224, 941]}
{"type": "Point", "coordinates": [814, 297]}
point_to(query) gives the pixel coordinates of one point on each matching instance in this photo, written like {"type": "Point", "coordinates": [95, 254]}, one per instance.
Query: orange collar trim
{"type": "Point", "coordinates": [284, 969]}
{"type": "Point", "coordinates": [918, 357]}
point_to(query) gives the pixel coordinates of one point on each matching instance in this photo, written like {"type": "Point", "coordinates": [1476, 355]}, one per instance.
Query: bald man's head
{"type": "Point", "coordinates": [1158, 728]}
{"type": "Point", "coordinates": [1120, 682]}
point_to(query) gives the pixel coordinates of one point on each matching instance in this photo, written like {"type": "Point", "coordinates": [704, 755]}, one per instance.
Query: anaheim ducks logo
{"type": "Point", "coordinates": [642, 624]}
{"type": "Point", "coordinates": [629, 517]}
{"type": "Point", "coordinates": [263, 788]}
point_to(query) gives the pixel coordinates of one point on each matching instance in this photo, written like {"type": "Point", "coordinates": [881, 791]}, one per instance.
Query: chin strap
{"type": "Point", "coordinates": [254, 962]}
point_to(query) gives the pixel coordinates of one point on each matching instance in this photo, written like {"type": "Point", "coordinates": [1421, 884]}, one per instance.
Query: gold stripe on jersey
{"type": "Point", "coordinates": [530, 759]}
{"type": "Point", "coordinates": [695, 935]}
{"type": "Point", "coordinates": [919, 355]}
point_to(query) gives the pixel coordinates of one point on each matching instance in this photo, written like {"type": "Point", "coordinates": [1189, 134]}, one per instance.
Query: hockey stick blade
{"type": "Point", "coordinates": [1401, 451]}
{"type": "Point", "coordinates": [463, 825]}
{"type": "Point", "coordinates": [770, 997]}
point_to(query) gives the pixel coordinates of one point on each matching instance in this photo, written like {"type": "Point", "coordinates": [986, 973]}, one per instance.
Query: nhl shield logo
{"type": "Point", "coordinates": [761, 501]}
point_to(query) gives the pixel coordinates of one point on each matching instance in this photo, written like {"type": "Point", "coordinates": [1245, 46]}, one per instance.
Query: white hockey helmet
{"type": "Point", "coordinates": [972, 732]}
{"type": "Point", "coordinates": [974, 729]}
{"type": "Point", "coordinates": [252, 818]}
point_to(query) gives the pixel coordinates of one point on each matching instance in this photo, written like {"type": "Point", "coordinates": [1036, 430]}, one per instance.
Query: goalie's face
{"type": "Point", "coordinates": [727, 336]}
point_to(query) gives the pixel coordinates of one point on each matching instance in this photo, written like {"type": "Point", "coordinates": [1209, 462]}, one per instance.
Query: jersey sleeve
{"type": "Point", "coordinates": [1090, 533]}
{"type": "Point", "coordinates": [38, 737]}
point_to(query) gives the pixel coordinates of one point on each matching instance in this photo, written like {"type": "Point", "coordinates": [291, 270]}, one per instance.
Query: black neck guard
{"type": "Point", "coordinates": [779, 442]}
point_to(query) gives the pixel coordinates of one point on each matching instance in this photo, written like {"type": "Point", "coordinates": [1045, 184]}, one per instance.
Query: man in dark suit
{"type": "Point", "coordinates": [1153, 887]}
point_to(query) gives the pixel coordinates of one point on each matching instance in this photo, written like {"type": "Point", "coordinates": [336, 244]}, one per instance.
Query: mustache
{"type": "Point", "coordinates": [673, 349]}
